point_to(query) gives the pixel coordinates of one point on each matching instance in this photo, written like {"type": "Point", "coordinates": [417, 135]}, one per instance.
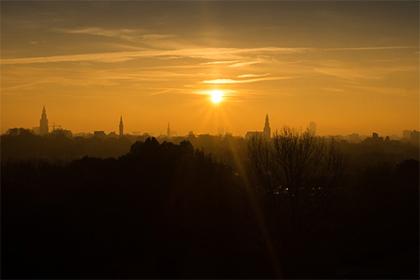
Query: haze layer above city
{"type": "Point", "coordinates": [211, 66]}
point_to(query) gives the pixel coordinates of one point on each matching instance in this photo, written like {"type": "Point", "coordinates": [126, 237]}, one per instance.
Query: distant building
{"type": "Point", "coordinates": [266, 133]}
{"type": "Point", "coordinates": [168, 131]}
{"type": "Point", "coordinates": [406, 134]}
{"type": "Point", "coordinates": [62, 132]}
{"type": "Point", "coordinates": [19, 131]}
{"type": "Point", "coordinates": [267, 129]}
{"type": "Point", "coordinates": [112, 134]}
{"type": "Point", "coordinates": [412, 136]}
{"type": "Point", "coordinates": [191, 136]}
{"type": "Point", "coordinates": [354, 138]}
{"type": "Point", "coordinates": [121, 127]}
{"type": "Point", "coordinates": [253, 134]}
{"type": "Point", "coordinates": [43, 123]}
{"type": "Point", "coordinates": [375, 139]}
{"type": "Point", "coordinates": [312, 128]}
{"type": "Point", "coordinates": [99, 134]}
{"type": "Point", "coordinates": [83, 134]}
{"type": "Point", "coordinates": [35, 130]}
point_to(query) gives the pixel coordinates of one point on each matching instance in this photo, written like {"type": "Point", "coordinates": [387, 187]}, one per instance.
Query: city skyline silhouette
{"type": "Point", "coordinates": [208, 65]}
{"type": "Point", "coordinates": [43, 129]}
{"type": "Point", "coordinates": [209, 139]}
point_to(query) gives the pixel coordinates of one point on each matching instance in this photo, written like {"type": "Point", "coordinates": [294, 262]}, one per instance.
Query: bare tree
{"type": "Point", "coordinates": [296, 165]}
{"type": "Point", "coordinates": [260, 153]}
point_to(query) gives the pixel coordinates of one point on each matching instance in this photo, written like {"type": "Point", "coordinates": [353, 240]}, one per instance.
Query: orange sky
{"type": "Point", "coordinates": [348, 66]}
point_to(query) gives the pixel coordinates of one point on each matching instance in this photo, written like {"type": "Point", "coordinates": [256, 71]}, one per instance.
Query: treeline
{"type": "Point", "coordinates": [294, 206]}
{"type": "Point", "coordinates": [356, 213]}
{"type": "Point", "coordinates": [22, 144]}
{"type": "Point", "coordinates": [161, 210]}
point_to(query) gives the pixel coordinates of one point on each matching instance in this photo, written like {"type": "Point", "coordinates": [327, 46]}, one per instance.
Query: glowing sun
{"type": "Point", "coordinates": [216, 96]}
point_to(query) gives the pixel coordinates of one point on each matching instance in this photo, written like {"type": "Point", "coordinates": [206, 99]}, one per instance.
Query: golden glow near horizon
{"type": "Point", "coordinates": [216, 96]}
{"type": "Point", "coordinates": [348, 66]}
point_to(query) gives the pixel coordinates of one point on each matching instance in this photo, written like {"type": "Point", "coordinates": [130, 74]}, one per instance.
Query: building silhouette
{"type": "Point", "coordinates": [99, 134]}
{"type": "Point", "coordinates": [60, 132]}
{"type": "Point", "coordinates": [267, 129]}
{"type": "Point", "coordinates": [411, 136]}
{"type": "Point", "coordinates": [112, 134]}
{"type": "Point", "coordinates": [43, 123]}
{"type": "Point", "coordinates": [121, 127]}
{"type": "Point", "coordinates": [312, 128]}
{"type": "Point", "coordinates": [266, 133]}
{"type": "Point", "coordinates": [168, 131]}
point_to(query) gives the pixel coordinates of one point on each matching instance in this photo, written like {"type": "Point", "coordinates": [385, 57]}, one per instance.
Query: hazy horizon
{"type": "Point", "coordinates": [348, 66]}
{"type": "Point", "coordinates": [293, 195]}
{"type": "Point", "coordinates": [162, 131]}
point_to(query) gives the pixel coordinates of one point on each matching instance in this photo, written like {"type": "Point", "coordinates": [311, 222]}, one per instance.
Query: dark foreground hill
{"type": "Point", "coordinates": [168, 211]}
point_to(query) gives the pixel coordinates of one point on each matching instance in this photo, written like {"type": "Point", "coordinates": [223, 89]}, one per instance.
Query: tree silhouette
{"type": "Point", "coordinates": [170, 210]}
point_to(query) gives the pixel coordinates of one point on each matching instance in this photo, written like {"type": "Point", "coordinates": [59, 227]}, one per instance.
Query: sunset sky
{"type": "Point", "coordinates": [348, 66]}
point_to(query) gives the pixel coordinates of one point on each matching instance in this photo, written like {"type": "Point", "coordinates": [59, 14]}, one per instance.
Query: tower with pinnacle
{"type": "Point", "coordinates": [168, 131]}
{"type": "Point", "coordinates": [43, 123]}
{"type": "Point", "coordinates": [121, 127]}
{"type": "Point", "coordinates": [267, 129]}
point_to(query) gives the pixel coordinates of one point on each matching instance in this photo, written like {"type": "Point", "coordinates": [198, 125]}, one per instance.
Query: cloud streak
{"type": "Point", "coordinates": [216, 55]}
{"type": "Point", "coordinates": [245, 81]}
{"type": "Point", "coordinates": [203, 53]}
{"type": "Point", "coordinates": [253, 75]}
{"type": "Point", "coordinates": [122, 33]}
{"type": "Point", "coordinates": [220, 62]}
{"type": "Point", "coordinates": [377, 48]}
{"type": "Point", "coordinates": [126, 34]}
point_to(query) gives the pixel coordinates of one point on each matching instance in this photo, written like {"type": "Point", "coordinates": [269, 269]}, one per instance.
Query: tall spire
{"type": "Point", "coordinates": [168, 131]}
{"type": "Point", "coordinates": [267, 129]}
{"type": "Point", "coordinates": [43, 122]}
{"type": "Point", "coordinates": [121, 127]}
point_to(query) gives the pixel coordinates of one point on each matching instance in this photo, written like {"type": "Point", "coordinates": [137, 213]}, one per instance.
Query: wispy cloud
{"type": "Point", "coordinates": [384, 90]}
{"type": "Point", "coordinates": [373, 48]}
{"type": "Point", "coordinates": [253, 75]}
{"type": "Point", "coordinates": [203, 53]}
{"type": "Point", "coordinates": [219, 55]}
{"type": "Point", "coordinates": [226, 92]}
{"type": "Point", "coordinates": [220, 62]}
{"type": "Point", "coordinates": [126, 34]}
{"type": "Point", "coordinates": [157, 36]}
{"type": "Point", "coordinates": [333, 89]}
{"type": "Point", "coordinates": [244, 81]}
{"type": "Point", "coordinates": [347, 73]}
{"type": "Point", "coordinates": [362, 73]}
{"type": "Point", "coordinates": [24, 77]}
{"type": "Point", "coordinates": [130, 36]}
{"type": "Point", "coordinates": [244, 63]}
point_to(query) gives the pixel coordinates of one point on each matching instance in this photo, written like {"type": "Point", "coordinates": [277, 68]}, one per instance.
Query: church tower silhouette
{"type": "Point", "coordinates": [168, 131]}
{"type": "Point", "coordinates": [121, 127]}
{"type": "Point", "coordinates": [267, 129]}
{"type": "Point", "coordinates": [43, 123]}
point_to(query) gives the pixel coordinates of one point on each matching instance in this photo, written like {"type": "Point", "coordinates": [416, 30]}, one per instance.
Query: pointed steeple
{"type": "Point", "coordinates": [121, 127]}
{"type": "Point", "coordinates": [267, 129]}
{"type": "Point", "coordinates": [43, 122]}
{"type": "Point", "coordinates": [168, 131]}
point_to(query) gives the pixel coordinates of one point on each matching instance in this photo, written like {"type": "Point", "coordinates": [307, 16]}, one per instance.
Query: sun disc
{"type": "Point", "coordinates": [216, 96]}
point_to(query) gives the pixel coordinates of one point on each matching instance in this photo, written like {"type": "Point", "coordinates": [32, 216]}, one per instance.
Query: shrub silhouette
{"type": "Point", "coordinates": [168, 210]}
